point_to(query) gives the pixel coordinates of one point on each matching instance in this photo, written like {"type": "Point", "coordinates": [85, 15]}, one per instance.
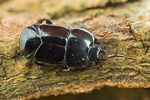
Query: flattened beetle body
{"type": "Point", "coordinates": [49, 44]}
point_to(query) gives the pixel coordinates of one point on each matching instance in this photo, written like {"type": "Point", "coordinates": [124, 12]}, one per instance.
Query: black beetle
{"type": "Point", "coordinates": [49, 44]}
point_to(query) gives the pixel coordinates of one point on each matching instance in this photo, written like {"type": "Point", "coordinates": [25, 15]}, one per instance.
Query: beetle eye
{"type": "Point", "coordinates": [102, 54]}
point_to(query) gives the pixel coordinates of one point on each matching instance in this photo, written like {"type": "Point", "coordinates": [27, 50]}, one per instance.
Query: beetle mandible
{"type": "Point", "coordinates": [49, 44]}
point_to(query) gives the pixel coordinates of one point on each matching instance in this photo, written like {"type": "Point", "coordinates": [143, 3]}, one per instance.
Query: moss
{"type": "Point", "coordinates": [9, 87]}
{"type": "Point", "coordinates": [118, 1]}
{"type": "Point", "coordinates": [18, 93]}
{"type": "Point", "coordinates": [20, 88]}
{"type": "Point", "coordinates": [83, 75]}
{"type": "Point", "coordinates": [33, 77]}
{"type": "Point", "coordinates": [19, 80]}
{"type": "Point", "coordinates": [145, 59]}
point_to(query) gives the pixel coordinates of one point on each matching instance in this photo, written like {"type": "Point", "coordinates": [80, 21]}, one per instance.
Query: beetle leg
{"type": "Point", "coordinates": [47, 21]}
{"type": "Point", "coordinates": [39, 65]}
{"type": "Point", "coordinates": [68, 27]}
{"type": "Point", "coordinates": [66, 70]}
{"type": "Point", "coordinates": [92, 63]}
{"type": "Point", "coordinates": [89, 66]}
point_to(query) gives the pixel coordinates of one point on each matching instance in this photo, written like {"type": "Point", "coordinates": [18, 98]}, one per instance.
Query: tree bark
{"type": "Point", "coordinates": [125, 38]}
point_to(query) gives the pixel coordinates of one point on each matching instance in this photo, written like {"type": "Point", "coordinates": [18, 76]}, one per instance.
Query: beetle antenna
{"type": "Point", "coordinates": [48, 21]}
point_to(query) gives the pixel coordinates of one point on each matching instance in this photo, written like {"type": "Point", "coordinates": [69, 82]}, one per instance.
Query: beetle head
{"type": "Point", "coordinates": [97, 53]}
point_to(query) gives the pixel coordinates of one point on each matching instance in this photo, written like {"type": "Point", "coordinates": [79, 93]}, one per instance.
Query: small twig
{"type": "Point", "coordinates": [106, 35]}
{"type": "Point", "coordinates": [133, 31]}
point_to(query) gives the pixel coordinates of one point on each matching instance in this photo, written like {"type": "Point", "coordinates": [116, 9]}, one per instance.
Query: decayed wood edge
{"type": "Point", "coordinates": [127, 66]}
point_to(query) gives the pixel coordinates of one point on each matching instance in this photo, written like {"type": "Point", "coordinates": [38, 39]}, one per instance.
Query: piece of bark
{"type": "Point", "coordinates": [127, 66]}
{"type": "Point", "coordinates": [125, 38]}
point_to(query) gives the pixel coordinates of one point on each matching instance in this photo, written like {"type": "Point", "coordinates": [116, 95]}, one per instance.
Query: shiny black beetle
{"type": "Point", "coordinates": [49, 44]}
